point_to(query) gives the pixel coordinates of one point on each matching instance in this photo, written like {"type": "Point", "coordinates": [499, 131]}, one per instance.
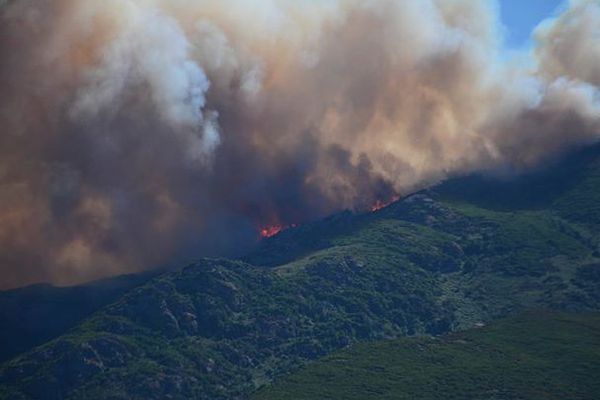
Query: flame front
{"type": "Point", "coordinates": [272, 230]}
{"type": "Point", "coordinates": [379, 204]}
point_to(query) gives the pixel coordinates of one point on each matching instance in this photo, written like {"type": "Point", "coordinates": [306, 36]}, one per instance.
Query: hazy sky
{"type": "Point", "coordinates": [521, 16]}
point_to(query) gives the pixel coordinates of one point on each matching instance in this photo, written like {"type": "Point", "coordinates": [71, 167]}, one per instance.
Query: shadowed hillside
{"type": "Point", "coordinates": [32, 315]}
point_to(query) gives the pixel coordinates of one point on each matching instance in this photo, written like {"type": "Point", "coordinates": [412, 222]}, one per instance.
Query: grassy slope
{"type": "Point", "coordinates": [533, 356]}
{"type": "Point", "coordinates": [434, 262]}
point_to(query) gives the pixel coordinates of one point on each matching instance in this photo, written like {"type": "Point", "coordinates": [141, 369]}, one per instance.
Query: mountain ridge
{"type": "Point", "coordinates": [428, 264]}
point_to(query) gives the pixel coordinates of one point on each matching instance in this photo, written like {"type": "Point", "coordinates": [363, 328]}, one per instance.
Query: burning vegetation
{"type": "Point", "coordinates": [379, 204]}
{"type": "Point", "coordinates": [272, 230]}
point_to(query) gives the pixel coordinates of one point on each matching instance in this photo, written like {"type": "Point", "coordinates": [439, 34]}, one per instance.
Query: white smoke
{"type": "Point", "coordinates": [569, 45]}
{"type": "Point", "coordinates": [149, 50]}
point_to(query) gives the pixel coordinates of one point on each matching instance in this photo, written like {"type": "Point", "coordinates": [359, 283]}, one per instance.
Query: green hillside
{"type": "Point", "coordinates": [533, 356]}
{"type": "Point", "coordinates": [438, 261]}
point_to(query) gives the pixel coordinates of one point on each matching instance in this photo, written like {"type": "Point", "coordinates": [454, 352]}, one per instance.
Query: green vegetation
{"type": "Point", "coordinates": [439, 261]}
{"type": "Point", "coordinates": [533, 356]}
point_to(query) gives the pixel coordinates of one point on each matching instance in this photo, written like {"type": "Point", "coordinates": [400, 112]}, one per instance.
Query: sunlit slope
{"type": "Point", "coordinates": [534, 356]}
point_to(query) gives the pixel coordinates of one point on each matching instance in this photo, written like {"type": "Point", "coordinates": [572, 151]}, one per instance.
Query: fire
{"type": "Point", "coordinates": [379, 204]}
{"type": "Point", "coordinates": [272, 230]}
{"type": "Point", "coordinates": [268, 231]}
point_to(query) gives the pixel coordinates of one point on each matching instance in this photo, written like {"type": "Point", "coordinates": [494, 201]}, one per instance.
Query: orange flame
{"type": "Point", "coordinates": [379, 204]}
{"type": "Point", "coordinates": [272, 230]}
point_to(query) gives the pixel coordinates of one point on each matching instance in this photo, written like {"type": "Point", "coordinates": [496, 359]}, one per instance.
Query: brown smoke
{"type": "Point", "coordinates": [139, 132]}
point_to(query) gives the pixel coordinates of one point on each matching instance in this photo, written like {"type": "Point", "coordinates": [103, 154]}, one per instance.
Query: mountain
{"type": "Point", "coordinates": [34, 314]}
{"type": "Point", "coordinates": [470, 250]}
{"type": "Point", "coordinates": [532, 356]}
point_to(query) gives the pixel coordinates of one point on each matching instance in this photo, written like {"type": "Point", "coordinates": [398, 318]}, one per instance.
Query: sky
{"type": "Point", "coordinates": [520, 17]}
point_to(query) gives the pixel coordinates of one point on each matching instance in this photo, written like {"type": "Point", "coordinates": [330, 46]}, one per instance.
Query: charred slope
{"type": "Point", "coordinates": [428, 264]}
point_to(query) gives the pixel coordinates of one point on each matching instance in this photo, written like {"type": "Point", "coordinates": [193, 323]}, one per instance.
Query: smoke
{"type": "Point", "coordinates": [135, 133]}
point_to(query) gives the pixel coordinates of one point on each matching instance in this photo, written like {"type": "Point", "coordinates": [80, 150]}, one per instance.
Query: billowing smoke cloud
{"type": "Point", "coordinates": [135, 133]}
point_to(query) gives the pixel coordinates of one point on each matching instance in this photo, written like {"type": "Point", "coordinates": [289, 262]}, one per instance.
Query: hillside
{"type": "Point", "coordinates": [533, 356]}
{"type": "Point", "coordinates": [34, 314]}
{"type": "Point", "coordinates": [438, 261]}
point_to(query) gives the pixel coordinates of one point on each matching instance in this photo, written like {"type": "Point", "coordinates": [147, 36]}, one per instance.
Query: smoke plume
{"type": "Point", "coordinates": [135, 133]}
